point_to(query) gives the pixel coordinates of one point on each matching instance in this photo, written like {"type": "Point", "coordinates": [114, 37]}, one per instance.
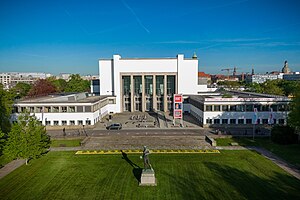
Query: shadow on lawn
{"type": "Point", "coordinates": [137, 170]}
{"type": "Point", "coordinates": [252, 186]}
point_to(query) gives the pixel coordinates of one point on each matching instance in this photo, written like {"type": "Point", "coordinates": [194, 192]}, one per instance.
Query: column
{"type": "Point", "coordinates": [154, 93]}
{"type": "Point", "coordinates": [143, 94]}
{"type": "Point", "coordinates": [165, 94]}
{"type": "Point", "coordinates": [132, 93]}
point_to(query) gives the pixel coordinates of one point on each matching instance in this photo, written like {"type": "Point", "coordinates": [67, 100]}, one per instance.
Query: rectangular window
{"type": "Point", "coordinates": [249, 108]}
{"type": "Point", "coordinates": [248, 121]}
{"type": "Point", "coordinates": [274, 121]}
{"type": "Point", "coordinates": [232, 107]}
{"type": "Point", "coordinates": [80, 122]}
{"type": "Point", "coordinates": [217, 107]}
{"type": "Point", "coordinates": [72, 122]}
{"type": "Point", "coordinates": [208, 108]}
{"type": "Point", "coordinates": [48, 123]}
{"type": "Point", "coordinates": [79, 108]}
{"type": "Point", "coordinates": [281, 107]}
{"type": "Point", "coordinates": [265, 121]}
{"type": "Point", "coordinates": [274, 107]}
{"type": "Point", "coordinates": [47, 109]}
{"type": "Point", "coordinates": [240, 108]}
{"type": "Point", "coordinates": [31, 109]}
{"type": "Point", "coordinates": [232, 121]}
{"type": "Point", "coordinates": [280, 121]}
{"type": "Point", "coordinates": [224, 121]}
{"type": "Point", "coordinates": [55, 123]}
{"type": "Point", "coordinates": [257, 107]}
{"type": "Point", "coordinates": [39, 109]}
{"type": "Point", "coordinates": [64, 109]}
{"type": "Point", "coordinates": [88, 122]}
{"type": "Point", "coordinates": [55, 109]}
{"type": "Point", "coordinates": [71, 108]}
{"type": "Point", "coordinates": [264, 107]}
{"type": "Point", "coordinates": [216, 121]}
{"type": "Point", "coordinates": [240, 121]}
{"type": "Point", "coordinates": [225, 108]}
{"type": "Point", "coordinates": [88, 109]}
{"type": "Point", "coordinates": [208, 121]}
{"type": "Point", "coordinates": [63, 122]}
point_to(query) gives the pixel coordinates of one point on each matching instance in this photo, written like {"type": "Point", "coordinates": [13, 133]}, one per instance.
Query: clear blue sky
{"type": "Point", "coordinates": [70, 36]}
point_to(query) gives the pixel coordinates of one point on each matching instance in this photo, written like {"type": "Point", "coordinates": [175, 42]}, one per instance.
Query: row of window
{"type": "Point", "coordinates": [247, 108]}
{"type": "Point", "coordinates": [65, 123]}
{"type": "Point", "coordinates": [243, 121]}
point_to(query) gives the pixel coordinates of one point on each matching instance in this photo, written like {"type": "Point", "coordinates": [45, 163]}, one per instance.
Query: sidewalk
{"type": "Point", "coordinates": [11, 167]}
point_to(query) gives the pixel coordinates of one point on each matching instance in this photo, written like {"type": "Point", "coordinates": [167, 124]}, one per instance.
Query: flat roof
{"type": "Point", "coordinates": [55, 99]}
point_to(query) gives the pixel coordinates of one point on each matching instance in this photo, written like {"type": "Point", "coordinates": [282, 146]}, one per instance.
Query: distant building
{"type": "Point", "coordinates": [286, 69]}
{"type": "Point", "coordinates": [261, 78]}
{"type": "Point", "coordinates": [292, 77]}
{"type": "Point", "coordinates": [65, 76]}
{"type": "Point", "coordinates": [203, 79]}
{"type": "Point", "coordinates": [95, 87]}
{"type": "Point", "coordinates": [11, 79]}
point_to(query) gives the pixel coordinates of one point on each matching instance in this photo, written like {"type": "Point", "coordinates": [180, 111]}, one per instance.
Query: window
{"type": "Point", "coordinates": [240, 108]}
{"type": "Point", "coordinates": [248, 121]}
{"type": "Point", "coordinates": [265, 121]}
{"type": "Point", "coordinates": [208, 121]}
{"type": "Point", "coordinates": [264, 107]}
{"type": "Point", "coordinates": [281, 107]}
{"type": "Point", "coordinates": [72, 122]}
{"type": "Point", "coordinates": [64, 109]}
{"type": "Point", "coordinates": [232, 107]}
{"type": "Point", "coordinates": [88, 122]}
{"type": "Point", "coordinates": [274, 121]}
{"type": "Point", "coordinates": [208, 108]}
{"type": "Point", "coordinates": [274, 107]}
{"type": "Point", "coordinates": [48, 123]}
{"type": "Point", "coordinates": [240, 121]}
{"type": "Point", "coordinates": [79, 108]}
{"type": "Point", "coordinates": [39, 109]}
{"type": "Point", "coordinates": [217, 107]}
{"type": "Point", "coordinates": [224, 121]}
{"type": "Point", "coordinates": [55, 123]}
{"type": "Point", "coordinates": [216, 121]}
{"type": "Point", "coordinates": [71, 108]}
{"type": "Point", "coordinates": [55, 109]}
{"type": "Point", "coordinates": [63, 122]}
{"type": "Point", "coordinates": [281, 121]}
{"type": "Point", "coordinates": [111, 101]}
{"type": "Point", "coordinates": [47, 109]}
{"type": "Point", "coordinates": [225, 108]}
{"type": "Point", "coordinates": [249, 108]}
{"type": "Point", "coordinates": [258, 121]}
{"type": "Point", "coordinates": [257, 107]}
{"type": "Point", "coordinates": [80, 122]}
{"type": "Point", "coordinates": [31, 109]}
{"type": "Point", "coordinates": [232, 121]}
{"type": "Point", "coordinates": [88, 109]}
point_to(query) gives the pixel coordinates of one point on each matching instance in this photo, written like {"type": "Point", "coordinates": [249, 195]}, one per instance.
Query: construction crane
{"type": "Point", "coordinates": [228, 70]}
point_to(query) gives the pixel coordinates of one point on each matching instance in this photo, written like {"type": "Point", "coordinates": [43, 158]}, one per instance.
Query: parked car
{"type": "Point", "coordinates": [116, 126]}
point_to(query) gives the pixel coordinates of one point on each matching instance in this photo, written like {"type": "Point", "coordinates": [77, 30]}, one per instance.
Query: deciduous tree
{"type": "Point", "coordinates": [42, 87]}
{"type": "Point", "coordinates": [77, 84]}
{"type": "Point", "coordinates": [6, 101]}
{"type": "Point", "coordinates": [27, 139]}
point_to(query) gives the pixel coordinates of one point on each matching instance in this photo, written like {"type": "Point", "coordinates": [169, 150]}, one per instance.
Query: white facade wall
{"type": "Point", "coordinates": [110, 73]}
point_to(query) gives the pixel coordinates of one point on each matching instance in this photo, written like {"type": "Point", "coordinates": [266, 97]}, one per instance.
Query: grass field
{"type": "Point", "coordinates": [289, 153]}
{"type": "Point", "coordinates": [228, 175]}
{"type": "Point", "coordinates": [65, 143]}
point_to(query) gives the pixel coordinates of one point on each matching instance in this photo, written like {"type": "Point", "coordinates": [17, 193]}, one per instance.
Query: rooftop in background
{"type": "Point", "coordinates": [202, 74]}
{"type": "Point", "coordinates": [65, 98]}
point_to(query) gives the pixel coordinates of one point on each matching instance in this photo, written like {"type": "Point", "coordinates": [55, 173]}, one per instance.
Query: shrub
{"type": "Point", "coordinates": [284, 135]}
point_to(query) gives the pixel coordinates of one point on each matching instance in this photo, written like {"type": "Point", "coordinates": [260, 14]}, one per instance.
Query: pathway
{"type": "Point", "coordinates": [11, 167]}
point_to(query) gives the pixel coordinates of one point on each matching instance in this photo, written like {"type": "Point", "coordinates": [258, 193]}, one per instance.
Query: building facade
{"type": "Point", "coordinates": [232, 107]}
{"type": "Point", "coordinates": [142, 84]}
{"type": "Point", "coordinates": [66, 110]}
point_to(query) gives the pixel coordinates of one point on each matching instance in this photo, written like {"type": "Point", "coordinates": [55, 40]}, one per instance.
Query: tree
{"type": "Point", "coordinates": [294, 115]}
{"type": "Point", "coordinates": [289, 87]}
{"type": "Point", "coordinates": [60, 84]}
{"type": "Point", "coordinates": [21, 90]}
{"type": "Point", "coordinates": [77, 84]}
{"type": "Point", "coordinates": [27, 139]}
{"type": "Point", "coordinates": [42, 87]}
{"type": "Point", "coordinates": [272, 87]}
{"type": "Point", "coordinates": [6, 101]}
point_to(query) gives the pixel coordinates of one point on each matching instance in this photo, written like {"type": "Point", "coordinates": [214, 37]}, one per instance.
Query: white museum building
{"type": "Point", "coordinates": [149, 85]}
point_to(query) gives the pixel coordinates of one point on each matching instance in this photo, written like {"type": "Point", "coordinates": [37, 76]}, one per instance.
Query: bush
{"type": "Point", "coordinates": [284, 135]}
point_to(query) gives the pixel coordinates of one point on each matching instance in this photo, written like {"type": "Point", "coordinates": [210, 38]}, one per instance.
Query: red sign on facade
{"type": "Point", "coordinates": [177, 106]}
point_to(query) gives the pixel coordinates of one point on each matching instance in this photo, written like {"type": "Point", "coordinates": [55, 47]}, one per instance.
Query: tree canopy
{"type": "Point", "coordinates": [27, 139]}
{"type": "Point", "coordinates": [21, 90]}
{"type": "Point", "coordinates": [42, 87]}
{"type": "Point", "coordinates": [77, 84]}
{"type": "Point", "coordinates": [6, 101]}
{"type": "Point", "coordinates": [294, 115]}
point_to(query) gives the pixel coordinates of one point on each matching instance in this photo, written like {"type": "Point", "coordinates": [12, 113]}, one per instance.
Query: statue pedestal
{"type": "Point", "coordinates": [148, 178]}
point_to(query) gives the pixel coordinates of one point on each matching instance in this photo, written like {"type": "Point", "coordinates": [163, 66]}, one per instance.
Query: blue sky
{"type": "Point", "coordinates": [70, 36]}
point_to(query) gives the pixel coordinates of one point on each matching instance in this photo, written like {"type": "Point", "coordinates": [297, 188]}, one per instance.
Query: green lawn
{"type": "Point", "coordinates": [66, 143]}
{"type": "Point", "coordinates": [289, 153]}
{"type": "Point", "coordinates": [228, 175]}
